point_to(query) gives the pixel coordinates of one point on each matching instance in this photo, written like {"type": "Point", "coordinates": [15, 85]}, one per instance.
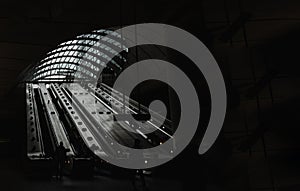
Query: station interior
{"type": "Point", "coordinates": [61, 58]}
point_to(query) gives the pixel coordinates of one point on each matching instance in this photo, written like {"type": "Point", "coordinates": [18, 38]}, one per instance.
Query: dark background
{"type": "Point", "coordinates": [256, 44]}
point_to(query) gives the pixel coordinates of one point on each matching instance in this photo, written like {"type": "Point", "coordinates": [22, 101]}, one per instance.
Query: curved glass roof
{"type": "Point", "coordinates": [82, 57]}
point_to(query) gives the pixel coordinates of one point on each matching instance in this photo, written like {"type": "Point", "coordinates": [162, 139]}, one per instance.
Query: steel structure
{"type": "Point", "coordinates": [81, 58]}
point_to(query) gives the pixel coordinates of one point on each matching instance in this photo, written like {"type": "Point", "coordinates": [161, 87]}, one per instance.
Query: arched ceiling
{"type": "Point", "coordinates": [82, 57]}
{"type": "Point", "coordinates": [30, 29]}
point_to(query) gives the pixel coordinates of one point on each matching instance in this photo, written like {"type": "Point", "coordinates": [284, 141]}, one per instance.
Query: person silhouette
{"type": "Point", "coordinates": [60, 154]}
{"type": "Point", "coordinates": [138, 172]}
